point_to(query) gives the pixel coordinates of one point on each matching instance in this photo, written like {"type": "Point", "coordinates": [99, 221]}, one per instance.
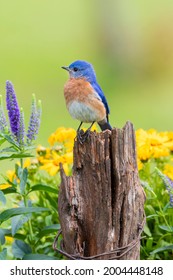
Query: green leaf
{"type": "Point", "coordinates": [7, 214]}
{"type": "Point", "coordinates": [147, 230]}
{"type": "Point", "coordinates": [167, 228]}
{"type": "Point", "coordinates": [10, 140]}
{"type": "Point", "coordinates": [38, 257]}
{"type": "Point", "coordinates": [6, 231]}
{"type": "Point", "coordinates": [2, 236]}
{"type": "Point", "coordinates": [42, 187]}
{"type": "Point", "coordinates": [18, 221]}
{"type": "Point", "coordinates": [52, 227]}
{"type": "Point", "coordinates": [9, 190]}
{"type": "Point", "coordinates": [161, 249]}
{"type": "Point", "coordinates": [149, 243]}
{"type": "Point", "coordinates": [24, 179]}
{"type": "Point", "coordinates": [4, 156]}
{"type": "Point", "coordinates": [151, 209]}
{"type": "Point", "coordinates": [152, 216]}
{"type": "Point", "coordinates": [2, 197]}
{"type": "Point", "coordinates": [23, 176]}
{"type": "Point", "coordinates": [166, 207]}
{"type": "Point", "coordinates": [20, 248]}
{"type": "Point", "coordinates": [10, 149]}
{"type": "Point", "coordinates": [53, 203]}
{"type": "Point", "coordinates": [2, 140]}
{"type": "Point", "coordinates": [49, 229]}
{"type": "Point", "coordinates": [16, 155]}
{"type": "Point", "coordinates": [3, 254]}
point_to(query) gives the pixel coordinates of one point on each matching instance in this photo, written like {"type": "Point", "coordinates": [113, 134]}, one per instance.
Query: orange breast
{"type": "Point", "coordinates": [79, 90]}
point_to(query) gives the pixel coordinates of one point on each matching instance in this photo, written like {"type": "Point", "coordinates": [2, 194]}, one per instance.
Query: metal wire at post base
{"type": "Point", "coordinates": [123, 250]}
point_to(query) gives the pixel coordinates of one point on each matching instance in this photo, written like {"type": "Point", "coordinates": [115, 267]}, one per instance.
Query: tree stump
{"type": "Point", "coordinates": [101, 206]}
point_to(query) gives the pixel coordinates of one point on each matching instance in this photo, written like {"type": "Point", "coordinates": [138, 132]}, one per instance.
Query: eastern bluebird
{"type": "Point", "coordinates": [84, 97]}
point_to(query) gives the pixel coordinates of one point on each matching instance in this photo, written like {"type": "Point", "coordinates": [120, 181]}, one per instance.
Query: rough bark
{"type": "Point", "coordinates": [101, 206]}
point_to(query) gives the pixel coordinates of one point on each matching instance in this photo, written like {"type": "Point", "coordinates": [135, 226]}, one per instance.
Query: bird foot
{"type": "Point", "coordinates": [82, 136]}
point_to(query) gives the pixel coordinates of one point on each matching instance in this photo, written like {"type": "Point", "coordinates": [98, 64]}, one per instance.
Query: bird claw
{"type": "Point", "coordinates": [82, 136]}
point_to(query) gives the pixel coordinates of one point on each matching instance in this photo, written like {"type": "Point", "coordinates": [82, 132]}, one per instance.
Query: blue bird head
{"type": "Point", "coordinates": [81, 69]}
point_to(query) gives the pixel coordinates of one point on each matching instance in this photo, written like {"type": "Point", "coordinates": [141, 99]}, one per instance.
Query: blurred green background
{"type": "Point", "coordinates": [129, 42]}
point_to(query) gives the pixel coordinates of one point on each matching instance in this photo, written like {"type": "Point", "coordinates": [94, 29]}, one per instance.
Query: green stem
{"type": "Point", "coordinates": [162, 237]}
{"type": "Point", "coordinates": [31, 234]}
{"type": "Point", "coordinates": [21, 163]}
{"type": "Point", "coordinates": [30, 230]}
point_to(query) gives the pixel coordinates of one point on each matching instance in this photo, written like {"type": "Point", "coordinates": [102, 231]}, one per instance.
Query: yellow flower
{"type": "Point", "coordinates": [61, 151]}
{"type": "Point", "coordinates": [51, 165]}
{"type": "Point", "coordinates": [61, 135]}
{"type": "Point", "coordinates": [4, 186]}
{"type": "Point", "coordinates": [27, 162]}
{"type": "Point", "coordinates": [140, 164]}
{"type": "Point", "coordinates": [69, 146]}
{"type": "Point", "coordinates": [66, 168]}
{"type": "Point", "coordinates": [52, 139]}
{"type": "Point", "coordinates": [159, 151]}
{"type": "Point", "coordinates": [168, 170]}
{"type": "Point", "coordinates": [9, 239]}
{"type": "Point", "coordinates": [44, 155]}
{"type": "Point", "coordinates": [153, 144]}
{"type": "Point", "coordinates": [67, 158]}
{"type": "Point", "coordinates": [11, 176]}
{"type": "Point", "coordinates": [143, 145]}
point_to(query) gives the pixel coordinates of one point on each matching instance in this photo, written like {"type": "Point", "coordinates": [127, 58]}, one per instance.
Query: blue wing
{"type": "Point", "coordinates": [103, 98]}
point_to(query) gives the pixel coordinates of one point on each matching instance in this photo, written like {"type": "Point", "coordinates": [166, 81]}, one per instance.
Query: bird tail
{"type": "Point", "coordinates": [105, 126]}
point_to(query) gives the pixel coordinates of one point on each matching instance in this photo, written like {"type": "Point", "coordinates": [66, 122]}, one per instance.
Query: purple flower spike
{"type": "Point", "coordinates": [38, 119]}
{"type": "Point", "coordinates": [169, 187]}
{"type": "Point", "coordinates": [13, 109]}
{"type": "Point", "coordinates": [21, 133]}
{"type": "Point", "coordinates": [34, 122]}
{"type": "Point", "coordinates": [3, 122]}
{"type": "Point", "coordinates": [168, 184]}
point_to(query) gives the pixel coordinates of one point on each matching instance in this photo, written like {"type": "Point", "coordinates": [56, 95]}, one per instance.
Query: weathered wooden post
{"type": "Point", "coordinates": [101, 206]}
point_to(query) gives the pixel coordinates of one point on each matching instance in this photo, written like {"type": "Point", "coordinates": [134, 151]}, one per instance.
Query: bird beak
{"type": "Point", "coordinates": [66, 68]}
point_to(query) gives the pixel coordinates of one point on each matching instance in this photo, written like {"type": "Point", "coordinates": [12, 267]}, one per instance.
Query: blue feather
{"type": "Point", "coordinates": [83, 69]}
{"type": "Point", "coordinates": [98, 89]}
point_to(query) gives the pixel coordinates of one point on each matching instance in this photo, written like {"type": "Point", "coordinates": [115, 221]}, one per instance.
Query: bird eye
{"type": "Point", "coordinates": [75, 69]}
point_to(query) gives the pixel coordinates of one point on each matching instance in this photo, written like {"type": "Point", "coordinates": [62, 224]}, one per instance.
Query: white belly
{"type": "Point", "coordinates": [83, 113]}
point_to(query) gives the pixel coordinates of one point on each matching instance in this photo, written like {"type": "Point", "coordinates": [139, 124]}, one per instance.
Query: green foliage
{"type": "Point", "coordinates": [3, 254]}
{"type": "Point", "coordinates": [13, 151]}
{"type": "Point", "coordinates": [7, 214]}
{"type": "Point", "coordinates": [31, 224]}
{"type": "Point", "coordinates": [158, 231]}
{"type": "Point", "coordinates": [20, 249]}
{"type": "Point", "coordinates": [2, 197]}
